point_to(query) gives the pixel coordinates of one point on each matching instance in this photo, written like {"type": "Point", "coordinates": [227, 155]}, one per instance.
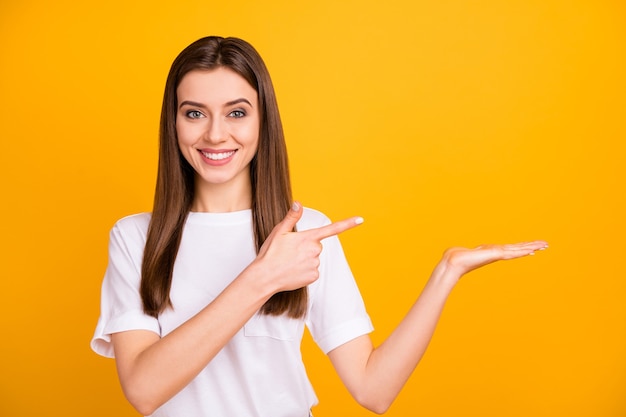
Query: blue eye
{"type": "Point", "coordinates": [194, 114]}
{"type": "Point", "coordinates": [237, 114]}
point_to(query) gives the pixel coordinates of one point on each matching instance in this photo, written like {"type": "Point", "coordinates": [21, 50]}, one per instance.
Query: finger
{"type": "Point", "coordinates": [523, 249]}
{"type": "Point", "coordinates": [534, 245]}
{"type": "Point", "coordinates": [537, 245]}
{"type": "Point", "coordinates": [334, 228]}
{"type": "Point", "coordinates": [289, 222]}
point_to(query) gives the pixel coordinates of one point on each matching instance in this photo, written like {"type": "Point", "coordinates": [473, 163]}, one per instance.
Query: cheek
{"type": "Point", "coordinates": [252, 135]}
{"type": "Point", "coordinates": [187, 135]}
{"type": "Point", "coordinates": [185, 151]}
{"type": "Point", "coordinates": [184, 141]}
{"type": "Point", "coordinates": [253, 139]}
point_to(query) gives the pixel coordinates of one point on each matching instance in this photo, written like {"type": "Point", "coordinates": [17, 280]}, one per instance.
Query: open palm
{"type": "Point", "coordinates": [460, 260]}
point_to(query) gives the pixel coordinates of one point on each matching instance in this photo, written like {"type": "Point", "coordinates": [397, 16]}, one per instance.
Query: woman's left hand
{"type": "Point", "coordinates": [459, 261]}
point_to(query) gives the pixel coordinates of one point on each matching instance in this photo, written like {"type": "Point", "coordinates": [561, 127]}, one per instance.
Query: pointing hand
{"type": "Point", "coordinates": [291, 258]}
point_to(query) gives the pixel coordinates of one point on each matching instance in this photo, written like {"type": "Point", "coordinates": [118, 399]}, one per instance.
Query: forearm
{"type": "Point", "coordinates": [376, 376]}
{"type": "Point", "coordinates": [152, 371]}
{"type": "Point", "coordinates": [391, 364]}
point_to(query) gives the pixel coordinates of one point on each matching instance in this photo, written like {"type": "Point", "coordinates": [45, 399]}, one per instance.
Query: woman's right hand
{"type": "Point", "coordinates": [290, 260]}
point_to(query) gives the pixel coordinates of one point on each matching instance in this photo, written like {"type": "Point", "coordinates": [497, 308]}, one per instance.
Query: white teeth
{"type": "Point", "coordinates": [218, 156]}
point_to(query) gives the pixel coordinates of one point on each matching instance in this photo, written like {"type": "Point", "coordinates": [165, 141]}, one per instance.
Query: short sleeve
{"type": "Point", "coordinates": [120, 304]}
{"type": "Point", "coordinates": [337, 312]}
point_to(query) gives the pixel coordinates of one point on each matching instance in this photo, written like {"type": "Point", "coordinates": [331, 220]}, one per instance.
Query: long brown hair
{"type": "Point", "coordinates": [269, 174]}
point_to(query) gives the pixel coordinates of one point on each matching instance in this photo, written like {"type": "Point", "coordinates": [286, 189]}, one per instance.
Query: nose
{"type": "Point", "coordinates": [216, 130]}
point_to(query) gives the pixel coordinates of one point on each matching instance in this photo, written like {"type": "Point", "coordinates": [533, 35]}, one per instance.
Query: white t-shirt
{"type": "Point", "coordinates": [259, 373]}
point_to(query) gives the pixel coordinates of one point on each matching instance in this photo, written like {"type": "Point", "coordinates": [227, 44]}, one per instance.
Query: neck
{"type": "Point", "coordinates": [222, 198]}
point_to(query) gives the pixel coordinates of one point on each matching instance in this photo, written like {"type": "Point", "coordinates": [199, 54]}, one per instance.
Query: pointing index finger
{"type": "Point", "coordinates": [334, 228]}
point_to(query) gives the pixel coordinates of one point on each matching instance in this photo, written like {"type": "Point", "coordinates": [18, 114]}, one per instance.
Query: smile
{"type": "Point", "coordinates": [218, 156]}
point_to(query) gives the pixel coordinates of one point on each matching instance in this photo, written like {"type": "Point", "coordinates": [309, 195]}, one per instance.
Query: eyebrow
{"type": "Point", "coordinates": [230, 103]}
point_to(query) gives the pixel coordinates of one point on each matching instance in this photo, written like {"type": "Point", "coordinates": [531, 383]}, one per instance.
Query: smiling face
{"type": "Point", "coordinates": [217, 124]}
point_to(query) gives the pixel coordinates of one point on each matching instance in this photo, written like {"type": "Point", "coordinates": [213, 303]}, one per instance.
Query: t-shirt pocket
{"type": "Point", "coordinates": [275, 327]}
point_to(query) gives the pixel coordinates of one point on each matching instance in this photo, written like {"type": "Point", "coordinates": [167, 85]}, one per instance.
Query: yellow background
{"type": "Point", "coordinates": [441, 122]}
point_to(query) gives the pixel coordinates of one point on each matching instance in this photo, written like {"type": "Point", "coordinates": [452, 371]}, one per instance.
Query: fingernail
{"type": "Point", "coordinates": [359, 220]}
{"type": "Point", "coordinates": [531, 253]}
{"type": "Point", "coordinates": [295, 206]}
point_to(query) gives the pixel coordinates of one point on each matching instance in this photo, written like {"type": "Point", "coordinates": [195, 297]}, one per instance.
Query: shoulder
{"type": "Point", "coordinates": [133, 226]}
{"type": "Point", "coordinates": [312, 219]}
{"type": "Point", "coordinates": [139, 220]}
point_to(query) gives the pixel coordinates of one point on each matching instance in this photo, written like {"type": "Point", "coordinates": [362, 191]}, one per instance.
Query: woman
{"type": "Point", "coordinates": [204, 301]}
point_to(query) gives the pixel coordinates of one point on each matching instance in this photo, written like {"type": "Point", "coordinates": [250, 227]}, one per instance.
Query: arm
{"type": "Point", "coordinates": [375, 376]}
{"type": "Point", "coordinates": [153, 369]}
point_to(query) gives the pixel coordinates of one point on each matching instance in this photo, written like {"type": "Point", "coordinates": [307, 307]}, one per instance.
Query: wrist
{"type": "Point", "coordinates": [257, 279]}
{"type": "Point", "coordinates": [445, 275]}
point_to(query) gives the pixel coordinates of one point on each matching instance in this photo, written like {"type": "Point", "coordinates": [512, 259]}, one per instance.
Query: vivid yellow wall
{"type": "Point", "coordinates": [441, 122]}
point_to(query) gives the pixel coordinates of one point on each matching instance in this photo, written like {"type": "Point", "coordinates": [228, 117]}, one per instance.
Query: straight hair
{"type": "Point", "coordinates": [269, 174]}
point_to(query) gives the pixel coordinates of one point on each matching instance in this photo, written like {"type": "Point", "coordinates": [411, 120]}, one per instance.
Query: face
{"type": "Point", "coordinates": [217, 123]}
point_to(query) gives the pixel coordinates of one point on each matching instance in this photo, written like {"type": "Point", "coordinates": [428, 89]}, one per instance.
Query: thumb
{"type": "Point", "coordinates": [289, 222]}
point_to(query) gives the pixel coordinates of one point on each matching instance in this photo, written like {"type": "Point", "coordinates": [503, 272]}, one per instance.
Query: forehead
{"type": "Point", "coordinates": [216, 86]}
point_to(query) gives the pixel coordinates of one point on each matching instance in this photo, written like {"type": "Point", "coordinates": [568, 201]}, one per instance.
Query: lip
{"type": "Point", "coordinates": [219, 156]}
